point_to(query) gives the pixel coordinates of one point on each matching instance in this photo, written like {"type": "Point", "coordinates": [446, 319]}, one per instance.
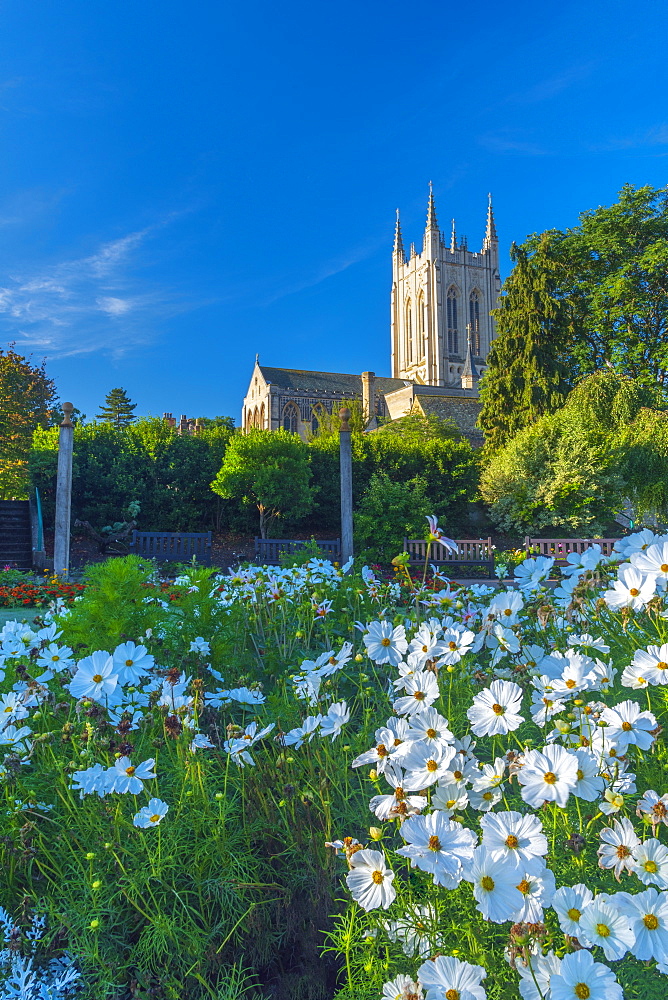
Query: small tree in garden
{"type": "Point", "coordinates": [26, 394]}
{"type": "Point", "coordinates": [269, 470]}
{"type": "Point", "coordinates": [118, 409]}
{"type": "Point", "coordinates": [388, 512]}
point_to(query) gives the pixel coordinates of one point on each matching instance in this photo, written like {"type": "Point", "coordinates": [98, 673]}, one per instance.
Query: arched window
{"type": "Point", "coordinates": [291, 418]}
{"type": "Point", "coordinates": [474, 320]}
{"type": "Point", "coordinates": [261, 424]}
{"type": "Point", "coordinates": [420, 327]}
{"type": "Point", "coordinates": [452, 320]}
{"type": "Point", "coordinates": [316, 418]}
{"type": "Point", "coordinates": [409, 333]}
{"type": "Point", "coordinates": [256, 422]}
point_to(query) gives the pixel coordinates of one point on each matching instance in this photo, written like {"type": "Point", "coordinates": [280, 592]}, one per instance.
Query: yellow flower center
{"type": "Point", "coordinates": [128, 663]}
{"type": "Point", "coordinates": [385, 642]}
{"type": "Point", "coordinates": [570, 683]}
{"type": "Point", "coordinates": [130, 770]}
{"type": "Point", "coordinates": [627, 727]}
{"type": "Point", "coordinates": [377, 877]}
{"type": "Point", "coordinates": [419, 695]}
{"type": "Point", "coordinates": [487, 882]}
{"type": "Point", "coordinates": [432, 765]}
{"type": "Point", "coordinates": [651, 921]}
{"type": "Point", "coordinates": [661, 665]}
{"type": "Point", "coordinates": [574, 914]}
{"type": "Point", "coordinates": [602, 930]}
{"type": "Point", "coordinates": [487, 796]}
{"type": "Point", "coordinates": [97, 678]}
{"type": "Point", "coordinates": [450, 803]}
{"type": "Point", "coordinates": [580, 774]}
{"type": "Point", "coordinates": [524, 887]}
{"type": "Point", "coordinates": [155, 818]}
{"type": "Point", "coordinates": [431, 733]}
{"type": "Point", "coordinates": [434, 844]}
{"type": "Point", "coordinates": [650, 866]}
{"type": "Point", "coordinates": [664, 567]}
{"type": "Point", "coordinates": [582, 991]}
{"type": "Point", "coordinates": [498, 709]}
{"type": "Point", "coordinates": [623, 851]}
{"type": "Point", "coordinates": [507, 612]}
{"type": "Point", "coordinates": [425, 649]}
{"type": "Point", "coordinates": [55, 658]}
{"type": "Point", "coordinates": [550, 777]}
{"type": "Point", "coordinates": [452, 994]}
{"type": "Point", "coordinates": [512, 841]}
{"type": "Point", "coordinates": [457, 775]}
{"type": "Point", "coordinates": [452, 645]}
{"type": "Point", "coordinates": [634, 591]}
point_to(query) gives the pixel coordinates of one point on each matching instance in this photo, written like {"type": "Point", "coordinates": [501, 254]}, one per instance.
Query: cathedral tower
{"type": "Point", "coordinates": [436, 296]}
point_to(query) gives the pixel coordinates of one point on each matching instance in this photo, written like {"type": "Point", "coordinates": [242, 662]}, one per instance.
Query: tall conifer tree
{"type": "Point", "coordinates": [528, 363]}
{"type": "Point", "coordinates": [117, 409]}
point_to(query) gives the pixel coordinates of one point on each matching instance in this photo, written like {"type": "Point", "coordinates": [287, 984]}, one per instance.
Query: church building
{"type": "Point", "coordinates": [441, 331]}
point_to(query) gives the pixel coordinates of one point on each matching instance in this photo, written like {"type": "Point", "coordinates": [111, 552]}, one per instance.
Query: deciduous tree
{"type": "Point", "coordinates": [26, 394]}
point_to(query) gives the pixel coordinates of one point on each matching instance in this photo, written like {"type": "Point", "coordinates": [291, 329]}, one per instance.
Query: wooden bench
{"type": "Point", "coordinates": [559, 548]}
{"type": "Point", "coordinates": [470, 552]}
{"type": "Point", "coordinates": [268, 550]}
{"type": "Point", "coordinates": [173, 546]}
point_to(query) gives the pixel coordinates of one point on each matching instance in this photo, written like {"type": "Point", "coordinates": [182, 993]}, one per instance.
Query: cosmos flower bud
{"type": "Point", "coordinates": [375, 833]}
{"type": "Point", "coordinates": [373, 774]}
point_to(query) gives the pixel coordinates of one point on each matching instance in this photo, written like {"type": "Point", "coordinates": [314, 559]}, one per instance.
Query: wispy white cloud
{"type": "Point", "coordinates": [504, 142]}
{"type": "Point", "coordinates": [328, 269]}
{"type": "Point", "coordinates": [647, 138]}
{"type": "Point", "coordinates": [87, 304]}
{"type": "Point", "coordinates": [543, 90]}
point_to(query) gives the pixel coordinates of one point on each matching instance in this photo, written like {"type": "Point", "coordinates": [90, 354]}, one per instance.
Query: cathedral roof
{"type": "Point", "coordinates": [335, 383]}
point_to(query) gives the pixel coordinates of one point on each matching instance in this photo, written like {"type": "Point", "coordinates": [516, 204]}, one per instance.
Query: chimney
{"type": "Point", "coordinates": [369, 399]}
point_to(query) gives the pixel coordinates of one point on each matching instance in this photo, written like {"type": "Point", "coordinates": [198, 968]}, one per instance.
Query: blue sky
{"type": "Point", "coordinates": [184, 184]}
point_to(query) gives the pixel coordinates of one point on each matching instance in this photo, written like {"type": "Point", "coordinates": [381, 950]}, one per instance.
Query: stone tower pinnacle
{"type": "Point", "coordinates": [490, 231]}
{"type": "Point", "coordinates": [398, 241]}
{"type": "Point", "coordinates": [470, 374]}
{"type": "Point", "coordinates": [431, 209]}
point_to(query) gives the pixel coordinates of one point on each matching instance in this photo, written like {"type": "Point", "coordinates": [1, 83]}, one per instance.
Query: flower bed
{"type": "Point", "coordinates": [318, 783]}
{"type": "Point", "coordinates": [38, 595]}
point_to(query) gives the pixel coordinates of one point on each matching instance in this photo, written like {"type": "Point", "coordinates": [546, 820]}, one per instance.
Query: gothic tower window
{"type": "Point", "coordinates": [420, 327]}
{"type": "Point", "coordinates": [409, 333]}
{"type": "Point", "coordinates": [474, 320]}
{"type": "Point", "coordinates": [452, 320]}
{"type": "Point", "coordinates": [261, 423]}
{"type": "Point", "coordinates": [317, 414]}
{"type": "Point", "coordinates": [291, 418]}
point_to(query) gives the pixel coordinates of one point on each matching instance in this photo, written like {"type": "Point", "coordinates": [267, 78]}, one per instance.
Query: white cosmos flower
{"type": "Point", "coordinates": [607, 927]}
{"type": "Point", "coordinates": [446, 976]}
{"type": "Point", "coordinates": [651, 863]}
{"type": "Point", "coordinates": [56, 658]}
{"type": "Point", "coordinates": [402, 988]}
{"type": "Point", "coordinates": [537, 888]}
{"type": "Point", "coordinates": [540, 972]}
{"type": "Point", "coordinates": [370, 881]}
{"type": "Point", "coordinates": [399, 803]}
{"type": "Point", "coordinates": [437, 845]}
{"type": "Point", "coordinates": [630, 590]}
{"type": "Point", "coordinates": [650, 665]}
{"type": "Point", "coordinates": [415, 930]}
{"type": "Point", "coordinates": [456, 644]}
{"type": "Point", "coordinates": [421, 692]}
{"type": "Point", "coordinates": [335, 720]}
{"type": "Point", "coordinates": [13, 708]}
{"type": "Point", "coordinates": [653, 560]}
{"type": "Point", "coordinates": [515, 838]}
{"type": "Point", "coordinates": [245, 696]}
{"type": "Point", "coordinates": [16, 738]}
{"type": "Point", "coordinates": [450, 797]}
{"type": "Point", "coordinates": [648, 914]}
{"type": "Point", "coordinates": [548, 775]}
{"type": "Point", "coordinates": [569, 903]}
{"type": "Point", "coordinates": [200, 645]}
{"type": "Point", "coordinates": [425, 765]}
{"type": "Point", "coordinates": [530, 573]}
{"type": "Point", "coordinates": [495, 711]}
{"type": "Point", "coordinates": [381, 754]}
{"type": "Point", "coordinates": [589, 784]}
{"type": "Point", "coordinates": [627, 724]}
{"type": "Point", "coordinates": [151, 814]}
{"type": "Point", "coordinates": [128, 778]}
{"type": "Point", "coordinates": [93, 779]}
{"type": "Point", "coordinates": [578, 562]}
{"type": "Point", "coordinates": [304, 733]}
{"type": "Point", "coordinates": [494, 886]}
{"type": "Point", "coordinates": [580, 976]}
{"type": "Point", "coordinates": [654, 807]}
{"type": "Point", "coordinates": [429, 727]}
{"type": "Point", "coordinates": [95, 678]}
{"type": "Point", "coordinates": [384, 643]}
{"type": "Point", "coordinates": [490, 775]}
{"type": "Point", "coordinates": [619, 843]}
{"type": "Point", "coordinates": [131, 662]}
{"type": "Point", "coordinates": [506, 607]}
{"type": "Point", "coordinates": [486, 800]}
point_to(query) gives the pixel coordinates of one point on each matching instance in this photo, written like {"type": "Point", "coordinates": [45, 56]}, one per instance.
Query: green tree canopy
{"type": "Point", "coordinates": [612, 270]}
{"type": "Point", "coordinates": [26, 395]}
{"type": "Point", "coordinates": [118, 409]}
{"type": "Point", "coordinates": [269, 470]}
{"type": "Point", "coordinates": [528, 363]}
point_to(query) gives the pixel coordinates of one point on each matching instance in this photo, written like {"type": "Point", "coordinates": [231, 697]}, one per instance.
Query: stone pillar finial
{"type": "Point", "coordinates": [68, 410]}
{"type": "Point", "coordinates": [344, 414]}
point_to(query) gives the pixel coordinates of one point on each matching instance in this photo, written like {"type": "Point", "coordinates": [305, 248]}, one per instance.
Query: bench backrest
{"type": "Point", "coordinates": [559, 548]}
{"type": "Point", "coordinates": [268, 550]}
{"type": "Point", "coordinates": [173, 546]}
{"type": "Point", "coordinates": [469, 550]}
